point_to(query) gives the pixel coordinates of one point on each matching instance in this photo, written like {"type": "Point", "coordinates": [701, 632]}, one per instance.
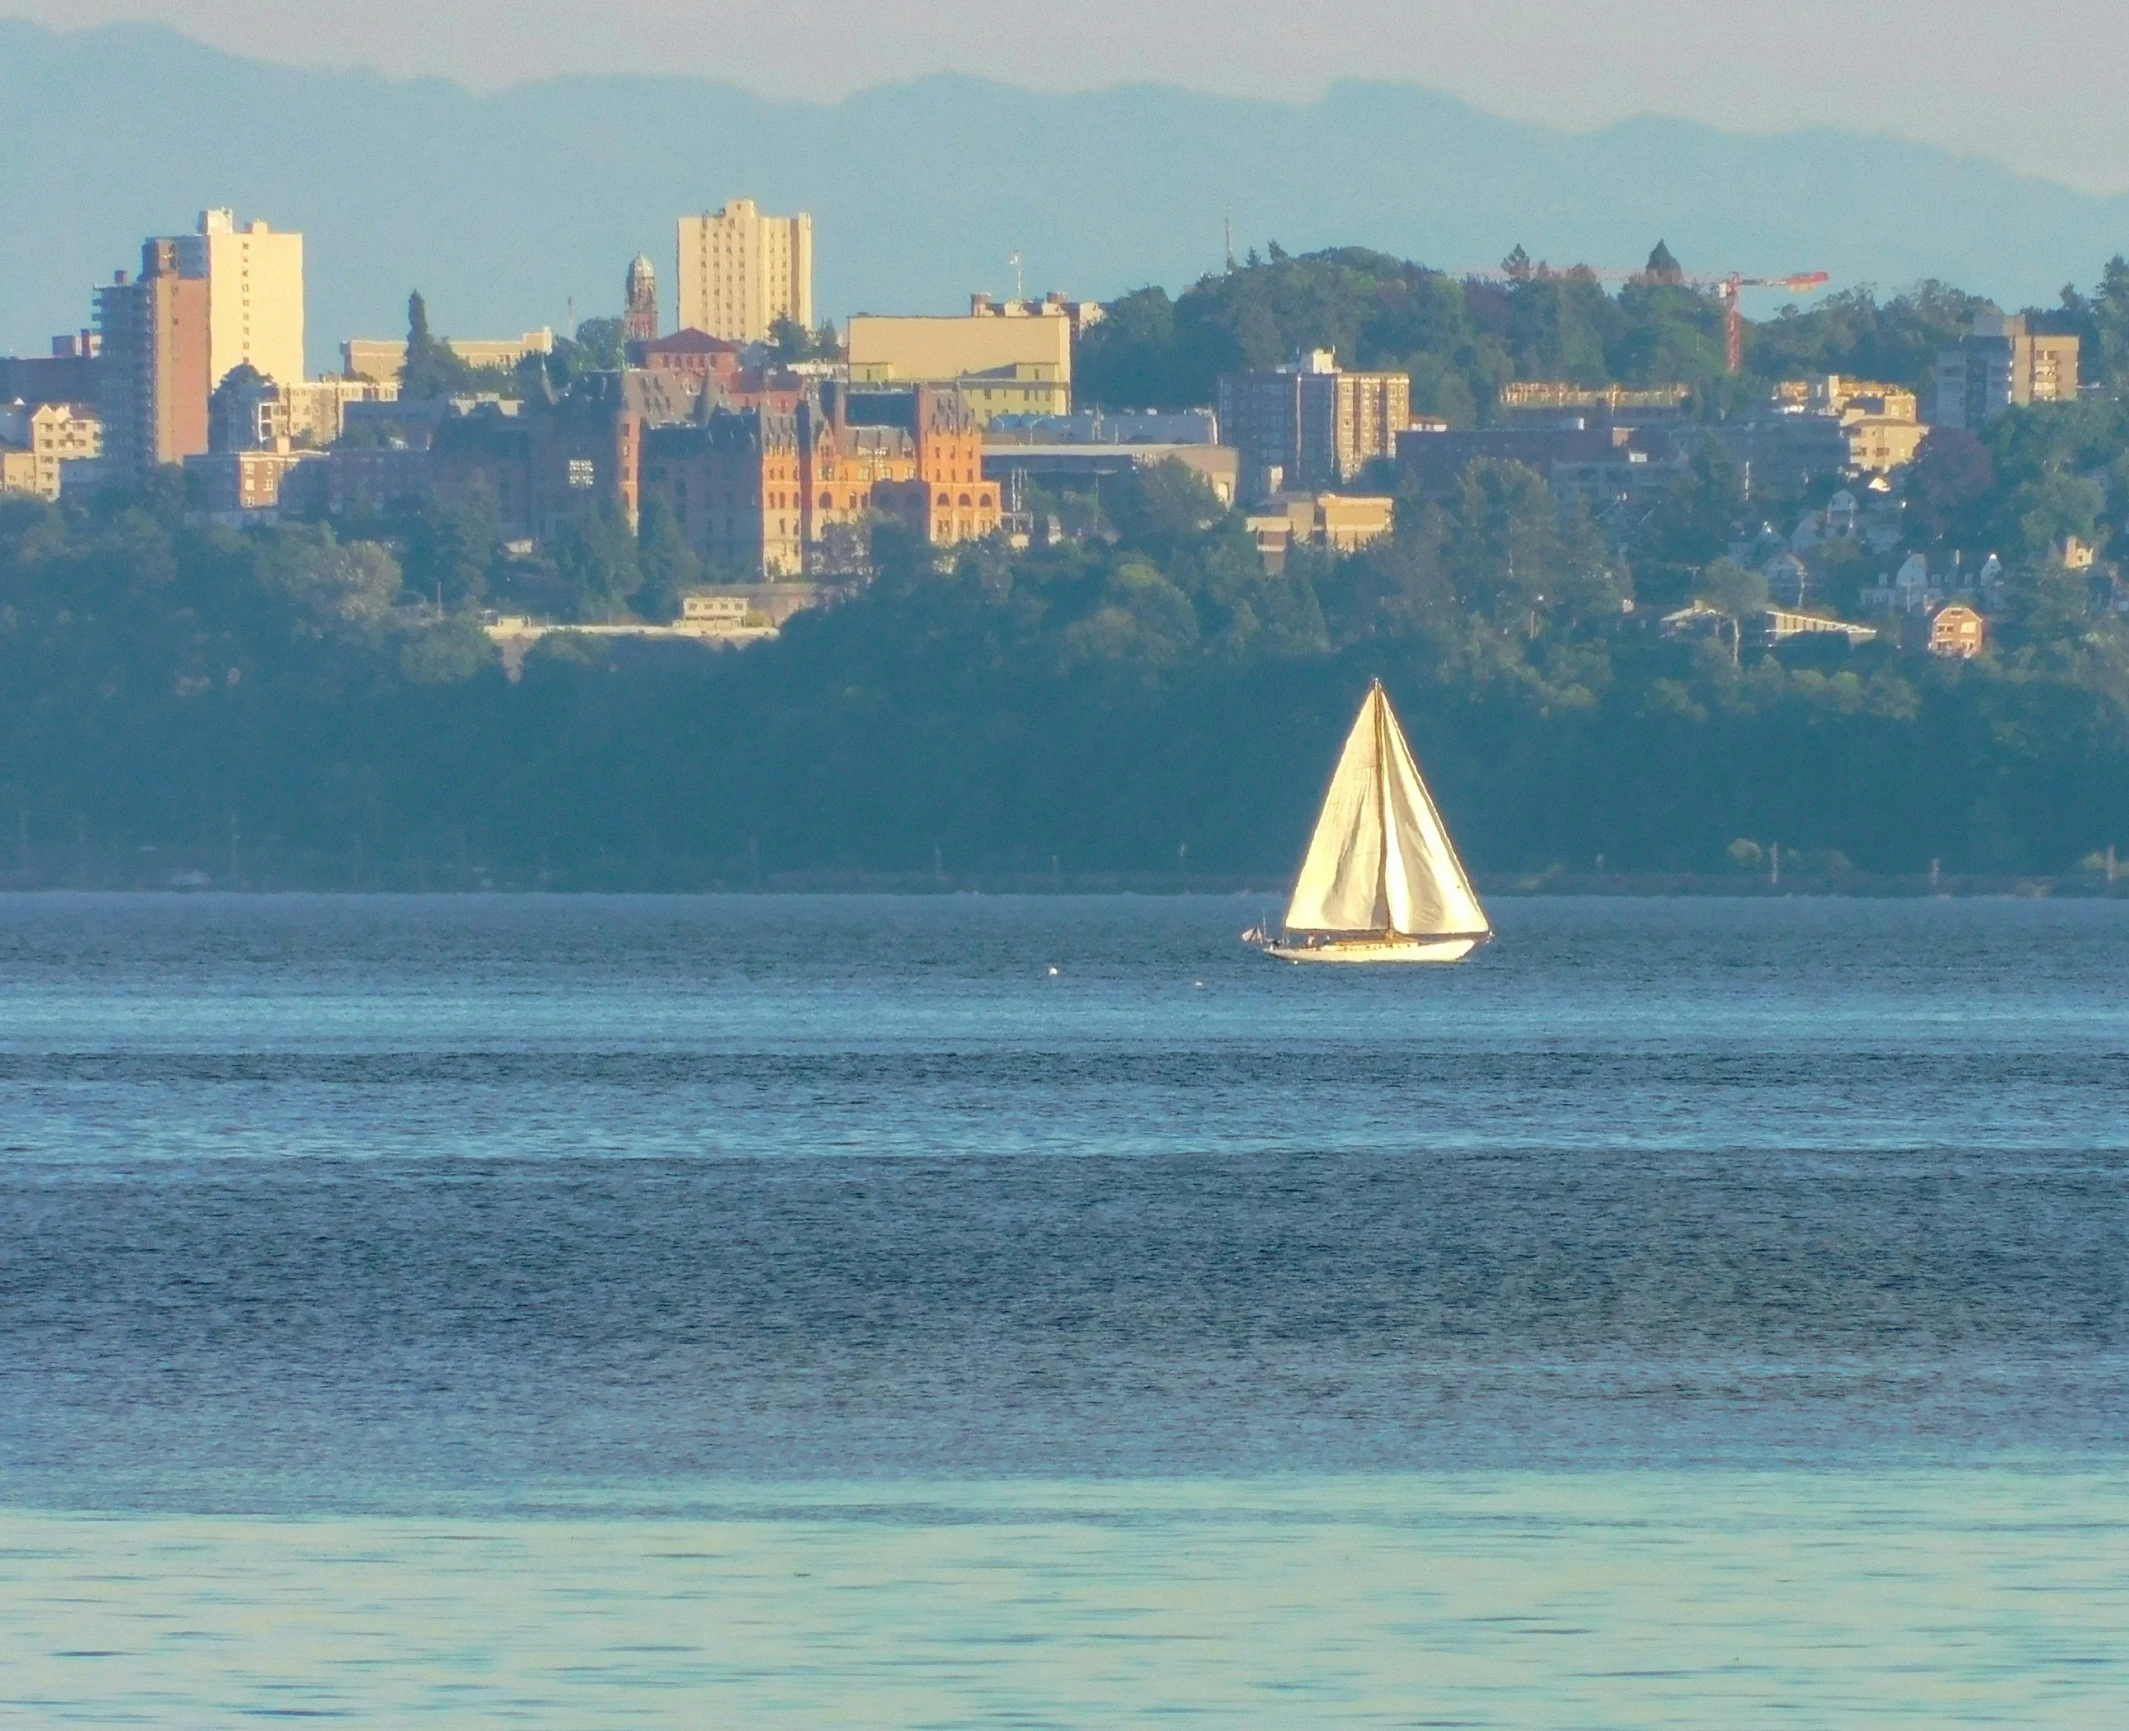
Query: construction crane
{"type": "Point", "coordinates": [1728, 289]}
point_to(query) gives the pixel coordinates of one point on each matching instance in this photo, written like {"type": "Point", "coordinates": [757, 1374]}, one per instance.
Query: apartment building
{"type": "Point", "coordinates": [1311, 423]}
{"type": "Point", "coordinates": [153, 330]}
{"type": "Point", "coordinates": [254, 278]}
{"type": "Point", "coordinates": [37, 438]}
{"type": "Point", "coordinates": [1999, 364]}
{"type": "Point", "coordinates": [741, 272]}
{"type": "Point", "coordinates": [203, 305]}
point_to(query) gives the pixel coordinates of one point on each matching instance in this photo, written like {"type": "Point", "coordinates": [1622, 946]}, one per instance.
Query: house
{"type": "Point", "coordinates": [1957, 630]}
{"type": "Point", "coordinates": [1907, 590]}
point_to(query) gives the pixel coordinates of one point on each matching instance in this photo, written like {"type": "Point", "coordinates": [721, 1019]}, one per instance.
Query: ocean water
{"type": "Point", "coordinates": [972, 1311]}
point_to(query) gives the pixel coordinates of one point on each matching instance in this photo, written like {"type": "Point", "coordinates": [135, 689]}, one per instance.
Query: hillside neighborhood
{"type": "Point", "coordinates": [750, 456]}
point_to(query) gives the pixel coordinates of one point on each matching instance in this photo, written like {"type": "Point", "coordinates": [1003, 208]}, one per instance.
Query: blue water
{"type": "Point", "coordinates": [984, 1310]}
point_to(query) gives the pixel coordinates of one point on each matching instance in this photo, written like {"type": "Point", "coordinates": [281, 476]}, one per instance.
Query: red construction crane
{"type": "Point", "coordinates": [1728, 289]}
{"type": "Point", "coordinates": [1733, 319]}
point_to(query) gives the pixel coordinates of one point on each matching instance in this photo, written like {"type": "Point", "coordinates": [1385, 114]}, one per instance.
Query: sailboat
{"type": "Point", "coordinates": [1381, 882]}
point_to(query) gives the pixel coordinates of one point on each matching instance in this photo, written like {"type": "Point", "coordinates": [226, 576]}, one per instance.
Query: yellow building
{"type": "Point", "coordinates": [254, 295]}
{"type": "Point", "coordinates": [383, 359]}
{"type": "Point", "coordinates": [741, 272]}
{"type": "Point", "coordinates": [1958, 631]}
{"type": "Point", "coordinates": [1008, 357]}
{"type": "Point", "coordinates": [1880, 443]}
{"type": "Point", "coordinates": [314, 412]}
{"type": "Point", "coordinates": [1341, 522]}
{"type": "Point", "coordinates": [1880, 422]}
{"type": "Point", "coordinates": [37, 440]}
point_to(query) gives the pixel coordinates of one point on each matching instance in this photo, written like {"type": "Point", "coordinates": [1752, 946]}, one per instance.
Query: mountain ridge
{"type": "Point", "coordinates": [518, 207]}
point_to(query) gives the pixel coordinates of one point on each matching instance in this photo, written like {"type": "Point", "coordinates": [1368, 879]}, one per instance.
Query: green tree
{"type": "Point", "coordinates": [1951, 475]}
{"type": "Point", "coordinates": [602, 344]}
{"type": "Point", "coordinates": [1515, 558]}
{"type": "Point", "coordinates": [452, 543]}
{"type": "Point", "coordinates": [431, 369]}
{"type": "Point", "coordinates": [596, 557]}
{"type": "Point", "coordinates": [790, 341]}
{"type": "Point", "coordinates": [1735, 592]}
{"type": "Point", "coordinates": [332, 584]}
{"type": "Point", "coordinates": [669, 566]}
{"type": "Point", "coordinates": [1163, 507]}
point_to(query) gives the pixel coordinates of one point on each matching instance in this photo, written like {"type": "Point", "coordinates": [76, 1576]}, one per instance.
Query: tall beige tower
{"type": "Point", "coordinates": [741, 271]}
{"type": "Point", "coordinates": [254, 296]}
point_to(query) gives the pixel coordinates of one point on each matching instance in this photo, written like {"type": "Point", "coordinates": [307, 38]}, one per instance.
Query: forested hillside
{"type": "Point", "coordinates": [1462, 338]}
{"type": "Point", "coordinates": [1149, 700]}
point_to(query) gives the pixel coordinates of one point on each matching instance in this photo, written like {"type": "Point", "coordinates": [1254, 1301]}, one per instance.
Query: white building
{"type": "Point", "coordinates": [741, 272]}
{"type": "Point", "coordinates": [254, 296]}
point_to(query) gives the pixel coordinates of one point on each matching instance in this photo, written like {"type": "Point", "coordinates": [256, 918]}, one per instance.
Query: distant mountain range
{"type": "Point", "coordinates": [507, 209]}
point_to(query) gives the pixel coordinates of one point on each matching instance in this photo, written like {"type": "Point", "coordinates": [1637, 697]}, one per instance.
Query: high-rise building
{"type": "Point", "coordinates": [254, 296]}
{"type": "Point", "coordinates": [1999, 363]}
{"type": "Point", "coordinates": [154, 385]}
{"type": "Point", "coordinates": [203, 305]}
{"type": "Point", "coordinates": [742, 272]}
{"type": "Point", "coordinates": [1310, 423]}
{"type": "Point", "coordinates": [639, 324]}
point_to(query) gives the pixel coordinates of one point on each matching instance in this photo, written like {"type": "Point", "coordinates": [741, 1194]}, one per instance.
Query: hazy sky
{"type": "Point", "coordinates": [2036, 85]}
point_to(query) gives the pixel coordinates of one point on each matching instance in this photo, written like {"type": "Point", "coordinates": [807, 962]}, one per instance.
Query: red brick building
{"type": "Point", "coordinates": [758, 488]}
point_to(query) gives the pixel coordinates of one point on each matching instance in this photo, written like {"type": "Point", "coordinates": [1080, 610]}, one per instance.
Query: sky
{"type": "Point", "coordinates": [2033, 85]}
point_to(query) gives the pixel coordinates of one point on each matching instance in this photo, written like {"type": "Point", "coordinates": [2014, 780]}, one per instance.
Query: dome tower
{"type": "Point", "coordinates": [640, 323]}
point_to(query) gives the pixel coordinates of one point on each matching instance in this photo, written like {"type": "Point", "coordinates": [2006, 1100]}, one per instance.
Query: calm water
{"type": "Point", "coordinates": [822, 1311]}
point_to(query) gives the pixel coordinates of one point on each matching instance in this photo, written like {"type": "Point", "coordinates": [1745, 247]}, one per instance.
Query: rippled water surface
{"type": "Point", "coordinates": [972, 1311]}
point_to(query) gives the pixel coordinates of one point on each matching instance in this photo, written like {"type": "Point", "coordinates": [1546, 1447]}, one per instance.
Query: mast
{"type": "Point", "coordinates": [1382, 794]}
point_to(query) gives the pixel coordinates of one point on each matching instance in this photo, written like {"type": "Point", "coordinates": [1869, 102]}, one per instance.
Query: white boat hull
{"type": "Point", "coordinates": [1376, 950]}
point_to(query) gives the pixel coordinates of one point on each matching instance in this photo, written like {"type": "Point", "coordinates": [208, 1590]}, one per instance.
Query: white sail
{"type": "Point", "coordinates": [1381, 859]}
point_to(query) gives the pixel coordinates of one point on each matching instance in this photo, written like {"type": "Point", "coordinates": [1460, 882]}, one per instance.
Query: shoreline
{"type": "Point", "coordinates": [174, 871]}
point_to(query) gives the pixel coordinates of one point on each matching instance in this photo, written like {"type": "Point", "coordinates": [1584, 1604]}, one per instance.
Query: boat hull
{"type": "Point", "coordinates": [1360, 950]}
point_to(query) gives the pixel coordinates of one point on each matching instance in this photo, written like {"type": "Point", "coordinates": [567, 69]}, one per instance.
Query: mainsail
{"type": "Point", "coordinates": [1381, 859]}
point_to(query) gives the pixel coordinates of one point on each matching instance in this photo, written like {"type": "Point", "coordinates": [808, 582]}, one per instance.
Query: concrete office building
{"type": "Point", "coordinates": [1999, 363]}
{"type": "Point", "coordinates": [741, 272]}
{"type": "Point", "coordinates": [1006, 357]}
